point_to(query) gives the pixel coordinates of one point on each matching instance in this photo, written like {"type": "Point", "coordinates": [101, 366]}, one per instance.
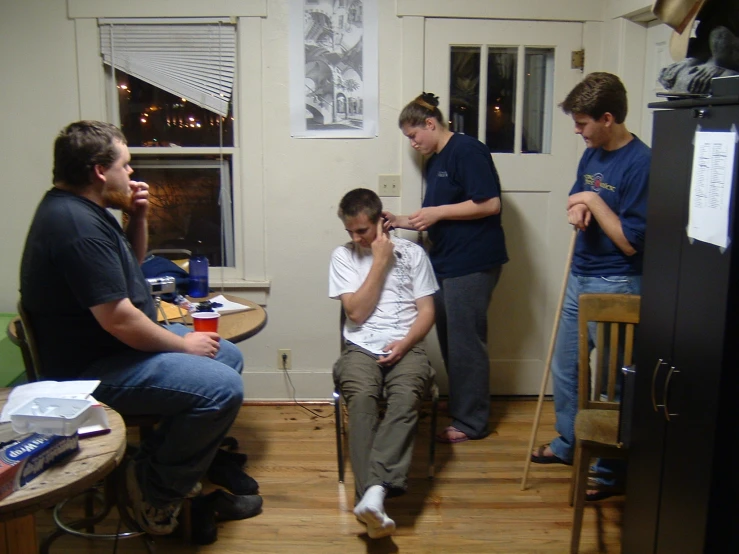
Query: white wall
{"type": "Point", "coordinates": [304, 181]}
{"type": "Point", "coordinates": [38, 96]}
{"type": "Point", "coordinates": [624, 37]}
{"type": "Point", "coordinates": [301, 180]}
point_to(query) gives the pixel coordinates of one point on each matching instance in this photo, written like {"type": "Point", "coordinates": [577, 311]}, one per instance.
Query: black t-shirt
{"type": "Point", "coordinates": [462, 171]}
{"type": "Point", "coordinates": [76, 257]}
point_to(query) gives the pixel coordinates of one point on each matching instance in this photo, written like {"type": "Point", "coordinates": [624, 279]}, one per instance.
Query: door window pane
{"type": "Point", "coordinates": [151, 116]}
{"type": "Point", "coordinates": [501, 109]}
{"type": "Point", "coordinates": [537, 101]}
{"type": "Point", "coordinates": [465, 90]}
{"type": "Point", "coordinates": [190, 201]}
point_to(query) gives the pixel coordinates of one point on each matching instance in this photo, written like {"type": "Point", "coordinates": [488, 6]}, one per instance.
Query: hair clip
{"type": "Point", "coordinates": [430, 98]}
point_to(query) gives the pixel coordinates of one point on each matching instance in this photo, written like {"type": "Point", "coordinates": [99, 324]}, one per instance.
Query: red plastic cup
{"type": "Point", "coordinates": [206, 321]}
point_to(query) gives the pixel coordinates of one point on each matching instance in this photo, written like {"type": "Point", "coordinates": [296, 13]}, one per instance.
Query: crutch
{"type": "Point", "coordinates": [548, 366]}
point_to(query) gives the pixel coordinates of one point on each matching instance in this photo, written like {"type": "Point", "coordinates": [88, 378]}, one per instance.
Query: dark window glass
{"type": "Point", "coordinates": [537, 101]}
{"type": "Point", "coordinates": [501, 109]}
{"type": "Point", "coordinates": [464, 94]}
{"type": "Point", "coordinates": [186, 204]}
{"type": "Point", "coordinates": [151, 116]}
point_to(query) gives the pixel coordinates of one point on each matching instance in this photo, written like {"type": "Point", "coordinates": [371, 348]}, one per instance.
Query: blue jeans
{"type": "Point", "coordinates": [565, 359]}
{"type": "Point", "coordinates": [198, 399]}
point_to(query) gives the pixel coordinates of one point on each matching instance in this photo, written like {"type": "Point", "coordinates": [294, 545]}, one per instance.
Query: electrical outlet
{"type": "Point", "coordinates": [284, 358]}
{"type": "Point", "coordinates": [388, 185]}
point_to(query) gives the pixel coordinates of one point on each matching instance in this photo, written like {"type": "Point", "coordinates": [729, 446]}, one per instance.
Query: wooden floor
{"type": "Point", "coordinates": [473, 505]}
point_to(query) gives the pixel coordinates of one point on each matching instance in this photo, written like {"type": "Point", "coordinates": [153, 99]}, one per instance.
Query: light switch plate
{"type": "Point", "coordinates": [388, 185]}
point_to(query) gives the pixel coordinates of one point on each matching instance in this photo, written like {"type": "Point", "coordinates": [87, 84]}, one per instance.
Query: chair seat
{"type": "Point", "coordinates": [599, 426]}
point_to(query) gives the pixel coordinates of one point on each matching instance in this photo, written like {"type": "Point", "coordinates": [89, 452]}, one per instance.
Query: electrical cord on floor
{"type": "Point", "coordinates": [294, 394]}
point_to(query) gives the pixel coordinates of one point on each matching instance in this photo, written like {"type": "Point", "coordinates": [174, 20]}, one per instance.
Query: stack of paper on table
{"type": "Point", "coordinates": [174, 315]}
{"type": "Point", "coordinates": [228, 307]}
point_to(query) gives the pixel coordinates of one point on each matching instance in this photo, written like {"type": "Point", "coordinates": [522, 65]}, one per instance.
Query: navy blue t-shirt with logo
{"type": "Point", "coordinates": [463, 171]}
{"type": "Point", "coordinates": [620, 177]}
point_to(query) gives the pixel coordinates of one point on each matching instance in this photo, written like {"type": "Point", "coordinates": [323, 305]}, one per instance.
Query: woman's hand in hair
{"type": "Point", "coordinates": [425, 218]}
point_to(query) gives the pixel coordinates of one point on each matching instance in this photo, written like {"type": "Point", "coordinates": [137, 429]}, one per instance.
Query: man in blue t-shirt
{"type": "Point", "coordinates": [607, 205]}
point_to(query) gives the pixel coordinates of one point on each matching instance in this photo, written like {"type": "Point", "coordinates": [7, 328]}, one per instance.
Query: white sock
{"type": "Point", "coordinates": [371, 511]}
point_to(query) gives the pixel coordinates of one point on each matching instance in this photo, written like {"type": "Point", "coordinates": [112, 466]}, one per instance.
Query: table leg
{"type": "Point", "coordinates": [18, 536]}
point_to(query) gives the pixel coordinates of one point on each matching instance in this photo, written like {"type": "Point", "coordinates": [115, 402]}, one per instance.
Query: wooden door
{"type": "Point", "coordinates": [536, 154]}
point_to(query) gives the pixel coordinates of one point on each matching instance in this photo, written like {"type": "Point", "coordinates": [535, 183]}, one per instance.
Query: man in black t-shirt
{"type": "Point", "coordinates": [93, 317]}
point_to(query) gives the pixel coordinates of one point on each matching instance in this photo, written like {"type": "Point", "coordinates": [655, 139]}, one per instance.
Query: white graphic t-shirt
{"type": "Point", "coordinates": [410, 278]}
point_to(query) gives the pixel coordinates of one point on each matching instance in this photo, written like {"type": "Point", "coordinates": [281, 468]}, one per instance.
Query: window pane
{"type": "Point", "coordinates": [501, 110]}
{"type": "Point", "coordinates": [464, 95]}
{"type": "Point", "coordinates": [537, 101]}
{"type": "Point", "coordinates": [186, 202]}
{"type": "Point", "coordinates": [151, 116]}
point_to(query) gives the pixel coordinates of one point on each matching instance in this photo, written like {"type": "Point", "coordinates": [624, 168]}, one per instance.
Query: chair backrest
{"type": "Point", "coordinates": [28, 345]}
{"type": "Point", "coordinates": [615, 316]}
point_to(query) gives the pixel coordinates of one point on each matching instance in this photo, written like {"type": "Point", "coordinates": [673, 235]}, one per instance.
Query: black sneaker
{"type": "Point", "coordinates": [226, 472]}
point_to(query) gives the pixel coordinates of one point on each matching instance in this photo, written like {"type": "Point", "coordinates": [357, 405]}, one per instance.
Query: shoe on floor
{"type": "Point", "coordinates": [227, 472]}
{"type": "Point", "coordinates": [237, 457]}
{"type": "Point", "coordinates": [155, 521]}
{"type": "Point", "coordinates": [231, 507]}
{"type": "Point", "coordinates": [540, 458]}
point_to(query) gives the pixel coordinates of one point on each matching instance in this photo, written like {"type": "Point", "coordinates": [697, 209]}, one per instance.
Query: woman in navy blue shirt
{"type": "Point", "coordinates": [461, 213]}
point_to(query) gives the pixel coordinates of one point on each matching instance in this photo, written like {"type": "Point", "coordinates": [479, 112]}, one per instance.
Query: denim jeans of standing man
{"type": "Point", "coordinates": [565, 362]}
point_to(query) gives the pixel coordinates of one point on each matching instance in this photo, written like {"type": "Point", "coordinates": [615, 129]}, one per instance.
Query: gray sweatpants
{"type": "Point", "coordinates": [462, 325]}
{"type": "Point", "coordinates": [381, 449]}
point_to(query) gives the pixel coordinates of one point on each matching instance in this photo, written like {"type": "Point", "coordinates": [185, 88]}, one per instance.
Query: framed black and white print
{"type": "Point", "coordinates": [333, 68]}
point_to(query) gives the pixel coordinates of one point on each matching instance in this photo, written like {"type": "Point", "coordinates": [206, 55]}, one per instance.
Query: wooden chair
{"type": "Point", "coordinates": [597, 421]}
{"type": "Point", "coordinates": [340, 414]}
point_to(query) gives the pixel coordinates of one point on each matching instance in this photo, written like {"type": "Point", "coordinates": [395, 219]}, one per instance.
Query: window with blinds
{"type": "Point", "coordinates": [170, 89]}
{"type": "Point", "coordinates": [195, 61]}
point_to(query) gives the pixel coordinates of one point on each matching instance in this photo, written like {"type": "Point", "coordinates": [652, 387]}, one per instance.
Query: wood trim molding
{"type": "Point", "coordinates": [166, 8]}
{"type": "Point", "coordinates": [552, 10]}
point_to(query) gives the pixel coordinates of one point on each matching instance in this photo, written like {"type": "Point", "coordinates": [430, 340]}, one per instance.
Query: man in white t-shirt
{"type": "Point", "coordinates": [385, 285]}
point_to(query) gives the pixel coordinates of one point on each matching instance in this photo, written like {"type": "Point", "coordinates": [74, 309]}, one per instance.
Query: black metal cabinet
{"type": "Point", "coordinates": [684, 420]}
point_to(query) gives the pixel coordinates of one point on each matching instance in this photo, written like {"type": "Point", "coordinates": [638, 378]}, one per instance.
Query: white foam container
{"type": "Point", "coordinates": [51, 416]}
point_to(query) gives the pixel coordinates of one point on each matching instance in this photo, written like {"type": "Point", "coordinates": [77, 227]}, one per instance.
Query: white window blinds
{"type": "Point", "coordinates": [195, 60]}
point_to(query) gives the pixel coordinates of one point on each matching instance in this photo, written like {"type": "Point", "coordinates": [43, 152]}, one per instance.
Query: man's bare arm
{"type": "Point", "coordinates": [420, 328]}
{"type": "Point", "coordinates": [359, 305]}
{"type": "Point", "coordinates": [606, 218]}
{"type": "Point", "coordinates": [130, 325]}
{"type": "Point", "coordinates": [424, 218]}
{"type": "Point", "coordinates": [137, 231]}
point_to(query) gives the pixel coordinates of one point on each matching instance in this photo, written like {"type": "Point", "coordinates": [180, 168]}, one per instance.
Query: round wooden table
{"type": "Point", "coordinates": [95, 459]}
{"type": "Point", "coordinates": [234, 327]}
{"type": "Point", "coordinates": [238, 326]}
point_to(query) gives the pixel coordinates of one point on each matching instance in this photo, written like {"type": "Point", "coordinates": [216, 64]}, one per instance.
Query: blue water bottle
{"type": "Point", "coordinates": [198, 285]}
